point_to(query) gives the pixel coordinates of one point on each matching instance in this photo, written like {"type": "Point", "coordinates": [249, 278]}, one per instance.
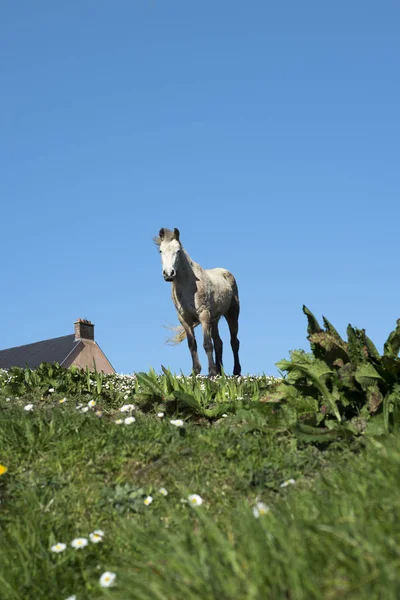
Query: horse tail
{"type": "Point", "coordinates": [180, 334]}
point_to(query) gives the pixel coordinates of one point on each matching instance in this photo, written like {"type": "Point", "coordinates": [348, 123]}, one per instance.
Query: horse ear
{"type": "Point", "coordinates": [161, 233]}
{"type": "Point", "coordinates": [177, 234]}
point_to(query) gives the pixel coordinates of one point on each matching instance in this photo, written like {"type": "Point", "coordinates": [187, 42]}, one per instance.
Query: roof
{"type": "Point", "coordinates": [54, 350]}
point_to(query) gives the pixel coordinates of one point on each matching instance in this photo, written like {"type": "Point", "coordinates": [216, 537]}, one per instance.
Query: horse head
{"type": "Point", "coordinates": [170, 248]}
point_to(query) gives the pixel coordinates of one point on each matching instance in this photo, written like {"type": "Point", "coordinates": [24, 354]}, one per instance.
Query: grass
{"type": "Point", "coordinates": [334, 533]}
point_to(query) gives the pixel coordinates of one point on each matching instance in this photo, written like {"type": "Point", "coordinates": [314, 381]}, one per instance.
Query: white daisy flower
{"type": "Point", "coordinates": [260, 509]}
{"type": "Point", "coordinates": [129, 420]}
{"type": "Point", "coordinates": [288, 482]}
{"type": "Point", "coordinates": [62, 400]}
{"type": "Point", "coordinates": [95, 538]}
{"type": "Point", "coordinates": [177, 422]}
{"type": "Point", "coordinates": [160, 414]}
{"type": "Point", "coordinates": [118, 421]}
{"type": "Point", "coordinates": [79, 543]}
{"type": "Point", "coordinates": [57, 548]}
{"type": "Point", "coordinates": [107, 579]}
{"type": "Point", "coordinates": [127, 408]}
{"type": "Point", "coordinates": [148, 500]}
{"type": "Point", "coordinates": [224, 416]}
{"type": "Point", "coordinates": [195, 500]}
{"type": "Point", "coordinates": [92, 403]}
{"type": "Point", "coordinates": [99, 532]}
{"type": "Point", "coordinates": [163, 491]}
{"type": "Point", "coordinates": [51, 390]}
{"type": "Point", "coordinates": [28, 407]}
{"type": "Point", "coordinates": [85, 409]}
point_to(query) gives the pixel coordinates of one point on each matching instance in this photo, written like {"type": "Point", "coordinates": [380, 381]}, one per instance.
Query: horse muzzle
{"type": "Point", "coordinates": [169, 275]}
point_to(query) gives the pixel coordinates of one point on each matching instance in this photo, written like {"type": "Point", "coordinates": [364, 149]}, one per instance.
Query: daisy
{"type": "Point", "coordinates": [129, 420]}
{"type": "Point", "coordinates": [62, 400]}
{"type": "Point", "coordinates": [79, 543]}
{"type": "Point", "coordinates": [57, 548]}
{"type": "Point", "coordinates": [119, 421]}
{"type": "Point", "coordinates": [160, 414]}
{"type": "Point", "coordinates": [92, 403]}
{"type": "Point", "coordinates": [95, 538]}
{"type": "Point", "coordinates": [107, 579]}
{"type": "Point", "coordinates": [99, 532]}
{"type": "Point", "coordinates": [260, 509]}
{"type": "Point", "coordinates": [28, 407]}
{"type": "Point", "coordinates": [85, 409]}
{"type": "Point", "coordinates": [177, 422]}
{"type": "Point", "coordinates": [127, 408]}
{"type": "Point", "coordinates": [195, 500]}
{"type": "Point", "coordinates": [51, 390]}
{"type": "Point", "coordinates": [148, 500]}
{"type": "Point", "coordinates": [288, 482]}
{"type": "Point", "coordinates": [163, 491]}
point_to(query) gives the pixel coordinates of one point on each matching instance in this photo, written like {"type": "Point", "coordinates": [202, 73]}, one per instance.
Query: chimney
{"type": "Point", "coordinates": [84, 330]}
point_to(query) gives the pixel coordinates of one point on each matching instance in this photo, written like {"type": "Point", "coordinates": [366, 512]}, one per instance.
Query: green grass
{"type": "Point", "coordinates": [335, 533]}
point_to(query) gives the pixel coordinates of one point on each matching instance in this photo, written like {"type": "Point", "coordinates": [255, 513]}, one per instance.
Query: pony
{"type": "Point", "coordinates": [201, 297]}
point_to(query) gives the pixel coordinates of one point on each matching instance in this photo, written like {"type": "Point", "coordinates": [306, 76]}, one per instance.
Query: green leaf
{"type": "Point", "coordinates": [333, 332]}
{"type": "Point", "coordinates": [187, 400]}
{"type": "Point", "coordinates": [346, 376]}
{"type": "Point", "coordinates": [366, 375]}
{"type": "Point", "coordinates": [374, 398]}
{"type": "Point", "coordinates": [376, 426]}
{"type": "Point", "coordinates": [328, 347]}
{"type": "Point", "coordinates": [169, 380]}
{"type": "Point", "coordinates": [371, 348]}
{"type": "Point", "coordinates": [356, 345]}
{"type": "Point", "coordinates": [148, 383]}
{"type": "Point", "coordinates": [391, 347]}
{"type": "Point", "coordinates": [316, 372]}
{"type": "Point", "coordinates": [313, 325]}
{"type": "Point", "coordinates": [307, 433]}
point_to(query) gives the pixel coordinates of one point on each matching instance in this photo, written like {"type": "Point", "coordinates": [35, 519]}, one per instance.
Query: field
{"type": "Point", "coordinates": [156, 486]}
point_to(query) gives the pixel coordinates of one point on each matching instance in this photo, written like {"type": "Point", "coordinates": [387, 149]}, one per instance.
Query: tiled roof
{"type": "Point", "coordinates": [54, 350]}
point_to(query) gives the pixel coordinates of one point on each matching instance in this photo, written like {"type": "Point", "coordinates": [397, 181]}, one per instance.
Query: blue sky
{"type": "Point", "coordinates": [267, 132]}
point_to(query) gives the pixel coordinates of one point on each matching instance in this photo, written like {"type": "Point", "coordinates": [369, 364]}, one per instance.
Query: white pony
{"type": "Point", "coordinates": [201, 296]}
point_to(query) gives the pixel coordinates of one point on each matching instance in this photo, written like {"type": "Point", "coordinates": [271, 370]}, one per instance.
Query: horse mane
{"type": "Point", "coordinates": [168, 236]}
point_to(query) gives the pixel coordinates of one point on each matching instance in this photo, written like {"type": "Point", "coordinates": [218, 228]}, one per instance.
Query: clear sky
{"type": "Point", "coordinates": [267, 132]}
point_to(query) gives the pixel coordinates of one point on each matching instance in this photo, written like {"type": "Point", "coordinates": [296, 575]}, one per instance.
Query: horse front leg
{"type": "Point", "coordinates": [208, 344]}
{"type": "Point", "coordinates": [191, 339]}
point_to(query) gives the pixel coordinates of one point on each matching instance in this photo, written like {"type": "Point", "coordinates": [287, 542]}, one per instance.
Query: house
{"type": "Point", "coordinates": [78, 349]}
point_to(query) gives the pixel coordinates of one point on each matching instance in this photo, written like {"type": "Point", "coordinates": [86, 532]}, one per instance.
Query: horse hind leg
{"type": "Point", "coordinates": [218, 346]}
{"type": "Point", "coordinates": [232, 318]}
